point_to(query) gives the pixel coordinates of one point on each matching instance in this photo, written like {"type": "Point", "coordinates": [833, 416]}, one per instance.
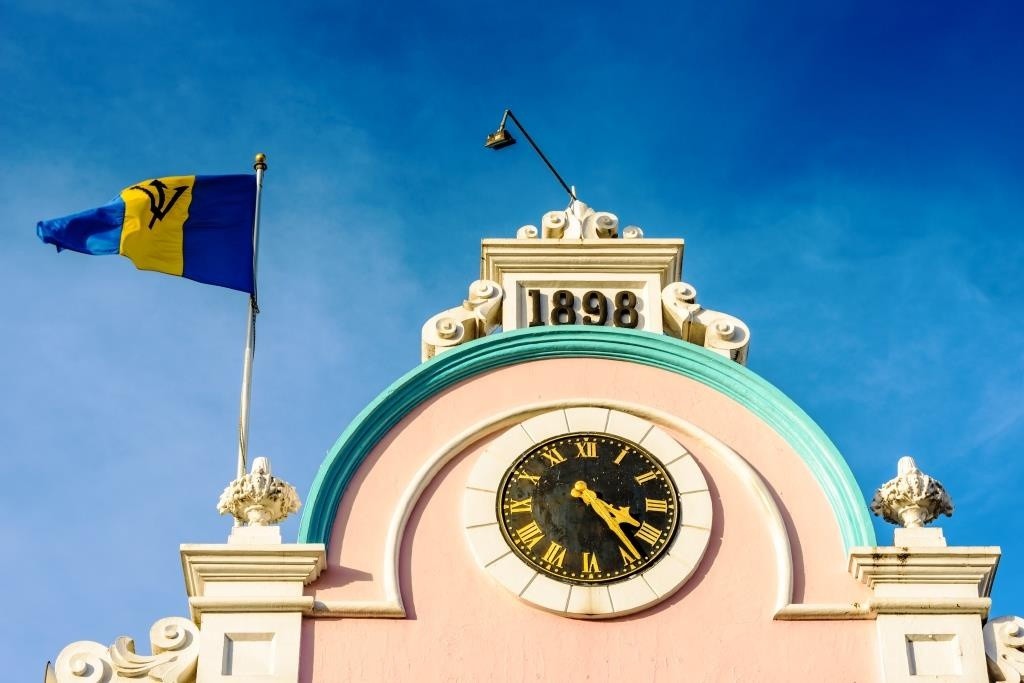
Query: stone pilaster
{"type": "Point", "coordinates": [247, 600]}
{"type": "Point", "coordinates": [930, 599]}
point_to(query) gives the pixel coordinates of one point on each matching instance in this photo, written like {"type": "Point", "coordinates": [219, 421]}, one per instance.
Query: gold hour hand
{"type": "Point", "coordinates": [612, 516]}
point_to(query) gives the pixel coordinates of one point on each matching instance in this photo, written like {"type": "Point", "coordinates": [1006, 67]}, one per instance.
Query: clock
{"type": "Point", "coordinates": [587, 512]}
{"type": "Point", "coordinates": [587, 508]}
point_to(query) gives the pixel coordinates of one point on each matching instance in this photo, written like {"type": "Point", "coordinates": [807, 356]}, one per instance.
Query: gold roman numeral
{"type": "Point", "coordinates": [622, 454]}
{"type": "Point", "coordinates": [657, 505]}
{"type": "Point", "coordinates": [628, 557]}
{"type": "Point", "coordinates": [552, 456]}
{"type": "Point", "coordinates": [648, 534]}
{"type": "Point", "coordinates": [586, 449]}
{"type": "Point", "coordinates": [646, 477]}
{"type": "Point", "coordinates": [529, 477]}
{"type": "Point", "coordinates": [590, 563]}
{"type": "Point", "coordinates": [554, 555]}
{"type": "Point", "coordinates": [530, 534]}
{"type": "Point", "coordinates": [520, 505]}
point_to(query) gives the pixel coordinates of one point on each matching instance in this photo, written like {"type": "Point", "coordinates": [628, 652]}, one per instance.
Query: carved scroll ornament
{"type": "Point", "coordinates": [478, 315]}
{"type": "Point", "coordinates": [578, 221]}
{"type": "Point", "coordinates": [721, 333]}
{"type": "Point", "coordinates": [175, 644]}
{"type": "Point", "coordinates": [1004, 649]}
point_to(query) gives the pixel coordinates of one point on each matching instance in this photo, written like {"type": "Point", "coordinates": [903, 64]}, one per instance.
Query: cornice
{"type": "Point", "coordinates": [970, 565]}
{"type": "Point", "coordinates": [663, 257]}
{"type": "Point", "coordinates": [206, 563]}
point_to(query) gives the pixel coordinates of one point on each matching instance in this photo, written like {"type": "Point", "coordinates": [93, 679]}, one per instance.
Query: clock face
{"type": "Point", "coordinates": [588, 508]}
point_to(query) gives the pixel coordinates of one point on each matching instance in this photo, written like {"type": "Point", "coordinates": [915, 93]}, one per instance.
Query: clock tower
{"type": "Point", "coordinates": [582, 481]}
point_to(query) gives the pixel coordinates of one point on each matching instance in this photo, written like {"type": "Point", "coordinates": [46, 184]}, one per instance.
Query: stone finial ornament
{"type": "Point", "coordinates": [578, 221]}
{"type": "Point", "coordinates": [259, 498]}
{"type": "Point", "coordinates": [912, 499]}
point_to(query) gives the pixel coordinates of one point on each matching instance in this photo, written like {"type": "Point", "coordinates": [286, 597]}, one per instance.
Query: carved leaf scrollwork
{"type": "Point", "coordinates": [175, 644]}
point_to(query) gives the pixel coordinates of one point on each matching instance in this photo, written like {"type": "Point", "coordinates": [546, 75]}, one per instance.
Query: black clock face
{"type": "Point", "coordinates": [588, 508]}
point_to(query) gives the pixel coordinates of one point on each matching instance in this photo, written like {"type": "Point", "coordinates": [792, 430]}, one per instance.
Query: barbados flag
{"type": "Point", "coordinates": [195, 226]}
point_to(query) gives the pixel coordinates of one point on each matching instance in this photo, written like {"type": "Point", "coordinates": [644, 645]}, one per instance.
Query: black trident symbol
{"type": "Point", "coordinates": [156, 202]}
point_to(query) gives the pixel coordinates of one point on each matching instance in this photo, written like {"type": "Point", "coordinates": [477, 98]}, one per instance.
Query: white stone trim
{"type": "Point", "coordinates": [392, 606]}
{"type": "Point", "coordinates": [200, 605]}
{"type": "Point", "coordinates": [871, 608]}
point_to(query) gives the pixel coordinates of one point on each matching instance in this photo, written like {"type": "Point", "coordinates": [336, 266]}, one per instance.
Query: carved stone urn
{"type": "Point", "coordinates": [912, 499]}
{"type": "Point", "coordinates": [259, 498]}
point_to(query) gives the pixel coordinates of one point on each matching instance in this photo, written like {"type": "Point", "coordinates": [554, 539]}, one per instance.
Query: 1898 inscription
{"type": "Point", "coordinates": [596, 309]}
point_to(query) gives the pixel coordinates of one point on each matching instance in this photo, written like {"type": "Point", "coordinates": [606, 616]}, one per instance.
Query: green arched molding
{"type": "Point", "coordinates": [538, 343]}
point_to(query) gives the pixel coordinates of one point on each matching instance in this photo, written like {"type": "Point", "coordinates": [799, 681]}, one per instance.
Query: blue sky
{"type": "Point", "coordinates": [847, 176]}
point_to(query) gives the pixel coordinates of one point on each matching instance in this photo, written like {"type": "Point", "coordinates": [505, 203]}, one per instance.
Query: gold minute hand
{"type": "Point", "coordinates": [612, 516]}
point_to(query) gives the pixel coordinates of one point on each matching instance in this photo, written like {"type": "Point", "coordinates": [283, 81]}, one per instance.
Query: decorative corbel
{"type": "Point", "coordinates": [719, 332]}
{"type": "Point", "coordinates": [476, 317]}
{"type": "Point", "coordinates": [175, 643]}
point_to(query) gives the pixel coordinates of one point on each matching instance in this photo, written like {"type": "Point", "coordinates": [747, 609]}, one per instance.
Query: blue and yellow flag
{"type": "Point", "coordinates": [199, 227]}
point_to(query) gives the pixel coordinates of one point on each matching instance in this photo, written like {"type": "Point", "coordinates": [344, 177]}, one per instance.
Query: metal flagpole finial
{"type": "Point", "coordinates": [260, 163]}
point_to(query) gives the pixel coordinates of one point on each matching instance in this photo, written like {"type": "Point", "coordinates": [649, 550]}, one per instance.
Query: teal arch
{"type": "Point", "coordinates": [537, 343]}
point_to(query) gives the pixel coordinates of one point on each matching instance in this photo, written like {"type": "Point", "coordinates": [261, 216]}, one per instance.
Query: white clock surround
{"type": "Point", "coordinates": [642, 590]}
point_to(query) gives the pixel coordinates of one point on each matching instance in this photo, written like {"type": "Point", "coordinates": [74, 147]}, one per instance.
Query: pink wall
{"type": "Point", "coordinates": [462, 626]}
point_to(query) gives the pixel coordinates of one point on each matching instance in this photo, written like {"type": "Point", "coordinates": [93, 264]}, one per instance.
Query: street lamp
{"type": "Point", "coordinates": [501, 138]}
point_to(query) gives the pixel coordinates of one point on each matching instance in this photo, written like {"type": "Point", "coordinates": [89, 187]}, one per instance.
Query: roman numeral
{"type": "Point", "coordinates": [590, 563]}
{"type": "Point", "coordinates": [530, 535]}
{"type": "Point", "coordinates": [552, 456]}
{"type": "Point", "coordinates": [622, 454]}
{"type": "Point", "coordinates": [657, 505]}
{"type": "Point", "coordinates": [628, 557]}
{"type": "Point", "coordinates": [554, 555]}
{"type": "Point", "coordinates": [529, 477]}
{"type": "Point", "coordinates": [646, 477]}
{"type": "Point", "coordinates": [520, 505]}
{"type": "Point", "coordinates": [648, 534]}
{"type": "Point", "coordinates": [586, 449]}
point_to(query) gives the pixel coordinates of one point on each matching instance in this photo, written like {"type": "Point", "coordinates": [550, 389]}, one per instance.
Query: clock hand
{"type": "Point", "coordinates": [612, 516]}
{"type": "Point", "coordinates": [620, 515]}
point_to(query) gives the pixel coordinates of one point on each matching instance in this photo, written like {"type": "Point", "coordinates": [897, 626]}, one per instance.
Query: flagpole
{"type": "Point", "coordinates": [260, 166]}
